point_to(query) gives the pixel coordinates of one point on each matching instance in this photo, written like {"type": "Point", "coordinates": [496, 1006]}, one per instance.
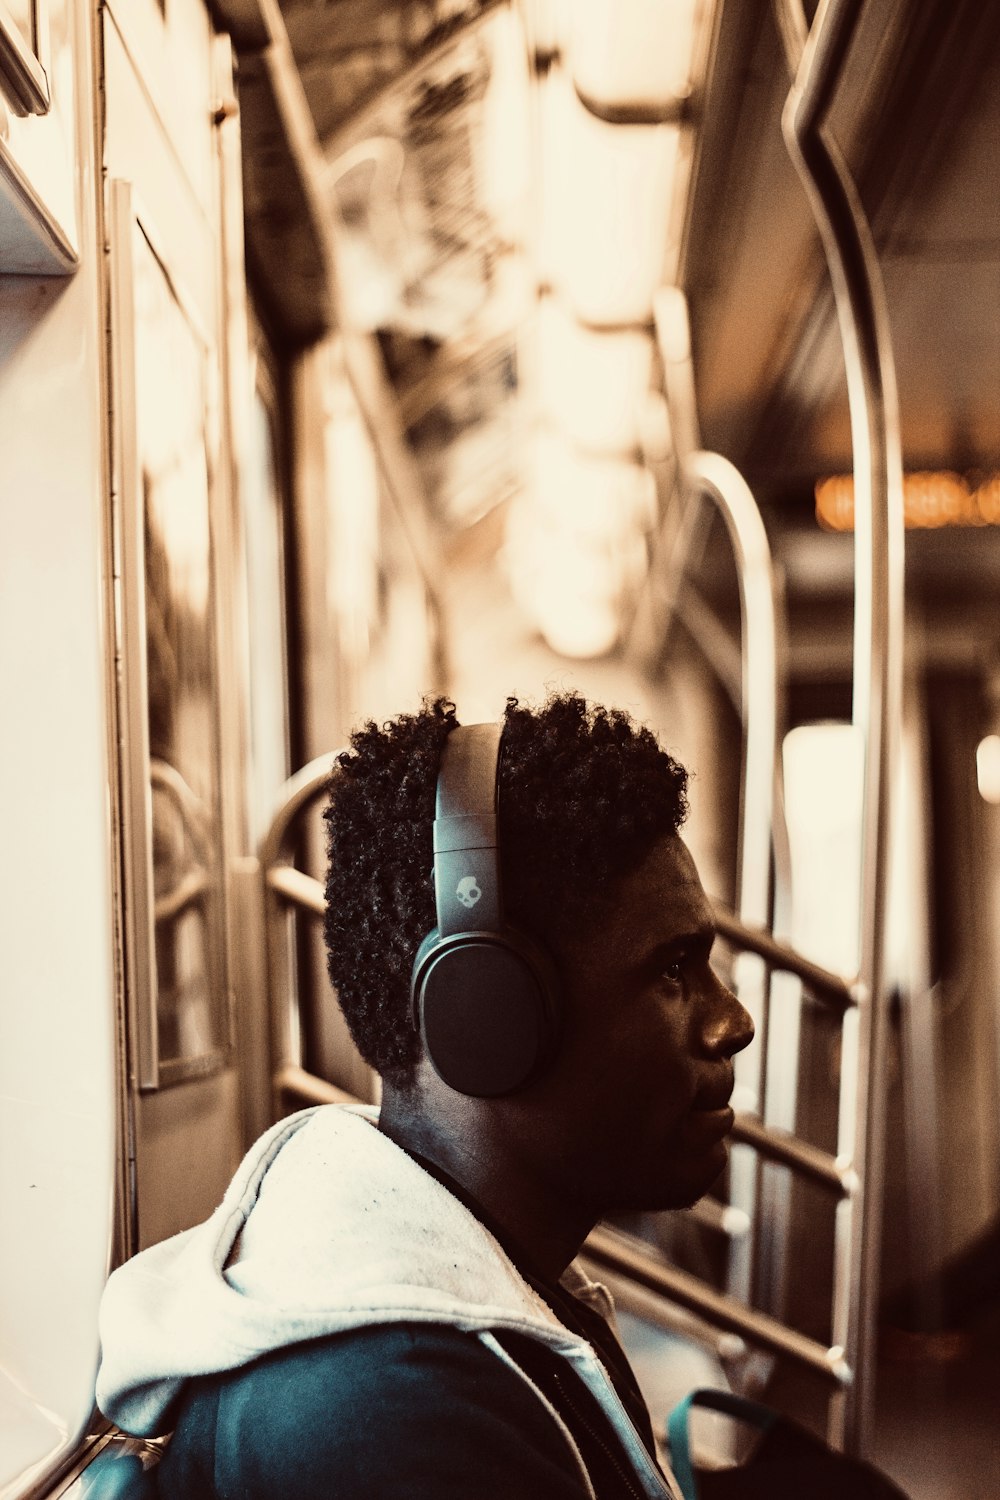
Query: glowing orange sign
{"type": "Point", "coordinates": [930, 500]}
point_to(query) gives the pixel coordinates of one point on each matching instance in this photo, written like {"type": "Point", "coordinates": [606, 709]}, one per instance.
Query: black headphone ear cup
{"type": "Point", "coordinates": [487, 1011]}
{"type": "Point", "coordinates": [483, 995]}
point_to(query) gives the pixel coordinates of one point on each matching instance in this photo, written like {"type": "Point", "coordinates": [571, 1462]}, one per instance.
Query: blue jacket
{"type": "Point", "coordinates": [344, 1325]}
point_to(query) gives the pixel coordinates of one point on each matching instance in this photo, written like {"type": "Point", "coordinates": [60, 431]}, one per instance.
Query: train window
{"type": "Point", "coordinates": [173, 408]}
{"type": "Point", "coordinates": [824, 793]}
{"type": "Point", "coordinates": [263, 528]}
{"type": "Point", "coordinates": [823, 772]}
{"type": "Point", "coordinates": [988, 768]}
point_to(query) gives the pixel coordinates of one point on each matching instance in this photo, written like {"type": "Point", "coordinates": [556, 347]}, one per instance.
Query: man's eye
{"type": "Point", "coordinates": [673, 970]}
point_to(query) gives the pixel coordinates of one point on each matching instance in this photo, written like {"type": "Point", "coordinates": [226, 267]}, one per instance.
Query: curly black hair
{"type": "Point", "coordinates": [584, 795]}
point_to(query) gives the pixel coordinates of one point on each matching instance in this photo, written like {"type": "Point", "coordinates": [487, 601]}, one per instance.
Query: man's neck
{"type": "Point", "coordinates": [449, 1133]}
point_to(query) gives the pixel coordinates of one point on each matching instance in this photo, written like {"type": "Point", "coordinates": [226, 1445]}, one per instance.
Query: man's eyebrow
{"type": "Point", "coordinates": [704, 934]}
{"type": "Point", "coordinates": [699, 939]}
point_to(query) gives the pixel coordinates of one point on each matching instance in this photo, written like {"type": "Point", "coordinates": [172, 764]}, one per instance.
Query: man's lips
{"type": "Point", "coordinates": [714, 1096]}
{"type": "Point", "coordinates": [712, 1122]}
{"type": "Point", "coordinates": [711, 1115]}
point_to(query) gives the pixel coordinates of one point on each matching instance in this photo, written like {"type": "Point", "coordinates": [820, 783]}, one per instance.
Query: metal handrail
{"type": "Point", "coordinates": [190, 890]}
{"type": "Point", "coordinates": [294, 1082]}
{"type": "Point", "coordinates": [826, 986]}
{"type": "Point", "coordinates": [714, 476]}
{"type": "Point", "coordinates": [860, 300]}
{"type": "Point", "coordinates": [788, 1150]}
{"type": "Point", "coordinates": [301, 788]}
{"type": "Point", "coordinates": [631, 1258]}
{"type": "Point", "coordinates": [166, 778]}
{"type": "Point", "coordinates": [295, 888]}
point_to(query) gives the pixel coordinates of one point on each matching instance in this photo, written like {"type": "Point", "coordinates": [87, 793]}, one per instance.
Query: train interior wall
{"type": "Point", "coordinates": [207, 574]}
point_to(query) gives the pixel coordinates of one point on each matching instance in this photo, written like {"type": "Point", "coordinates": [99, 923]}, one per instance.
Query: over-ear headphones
{"type": "Point", "coordinates": [484, 996]}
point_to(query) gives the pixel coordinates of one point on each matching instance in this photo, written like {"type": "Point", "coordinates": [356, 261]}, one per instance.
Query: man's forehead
{"type": "Point", "coordinates": [658, 903]}
{"type": "Point", "coordinates": [665, 895]}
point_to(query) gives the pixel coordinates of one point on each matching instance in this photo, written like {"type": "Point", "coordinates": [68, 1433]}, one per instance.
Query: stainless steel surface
{"type": "Point", "coordinates": [297, 793]}
{"type": "Point", "coordinates": [190, 890]}
{"type": "Point", "coordinates": [52, 1487]}
{"type": "Point", "coordinates": [38, 244]}
{"type": "Point", "coordinates": [878, 663]}
{"type": "Point", "coordinates": [666, 1317]}
{"type": "Point", "coordinates": [673, 336]}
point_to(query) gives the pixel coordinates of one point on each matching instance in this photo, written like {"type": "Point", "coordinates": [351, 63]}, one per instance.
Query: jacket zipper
{"type": "Point", "coordinates": [665, 1486]}
{"type": "Point", "coordinates": [609, 1452]}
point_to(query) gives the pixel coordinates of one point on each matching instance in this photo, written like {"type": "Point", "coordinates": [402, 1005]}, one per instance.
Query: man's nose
{"type": "Point", "coordinates": [729, 1027]}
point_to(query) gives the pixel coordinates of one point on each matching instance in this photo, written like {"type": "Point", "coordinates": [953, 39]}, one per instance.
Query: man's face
{"type": "Point", "coordinates": [636, 1102]}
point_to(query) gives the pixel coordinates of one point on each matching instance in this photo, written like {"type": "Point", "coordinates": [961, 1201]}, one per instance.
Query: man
{"type": "Point", "coordinates": [385, 1303]}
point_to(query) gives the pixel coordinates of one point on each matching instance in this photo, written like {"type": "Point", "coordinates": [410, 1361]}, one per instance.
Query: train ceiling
{"type": "Point", "coordinates": [404, 102]}
{"type": "Point", "coordinates": [919, 122]}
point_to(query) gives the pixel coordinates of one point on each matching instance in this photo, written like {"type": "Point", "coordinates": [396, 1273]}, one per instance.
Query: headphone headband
{"type": "Point", "coordinates": [483, 994]}
{"type": "Point", "coordinates": [466, 868]}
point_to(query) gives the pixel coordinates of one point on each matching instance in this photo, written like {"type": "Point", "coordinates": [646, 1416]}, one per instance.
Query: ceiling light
{"type": "Point", "coordinates": [631, 53]}
{"type": "Point", "coordinates": [605, 196]}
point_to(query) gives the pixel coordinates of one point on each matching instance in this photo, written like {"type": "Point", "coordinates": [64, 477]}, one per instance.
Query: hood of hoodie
{"type": "Point", "coordinates": [327, 1226]}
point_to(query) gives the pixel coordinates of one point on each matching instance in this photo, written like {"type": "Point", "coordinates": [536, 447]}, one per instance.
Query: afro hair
{"type": "Point", "coordinates": [584, 794]}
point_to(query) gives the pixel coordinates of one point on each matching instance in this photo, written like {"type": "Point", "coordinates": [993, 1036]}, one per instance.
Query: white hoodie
{"type": "Point", "coordinates": [327, 1226]}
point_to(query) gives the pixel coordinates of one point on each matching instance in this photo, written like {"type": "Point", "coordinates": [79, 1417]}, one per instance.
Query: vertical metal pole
{"type": "Point", "coordinates": [710, 475]}
{"type": "Point", "coordinates": [878, 664]}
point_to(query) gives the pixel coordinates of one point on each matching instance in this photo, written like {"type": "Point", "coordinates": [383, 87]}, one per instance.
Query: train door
{"type": "Point", "coordinates": [58, 1110]}
{"type": "Point", "coordinates": [168, 80]}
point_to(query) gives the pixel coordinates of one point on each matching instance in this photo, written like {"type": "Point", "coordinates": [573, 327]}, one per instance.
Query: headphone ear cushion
{"type": "Point", "coordinates": [486, 1012]}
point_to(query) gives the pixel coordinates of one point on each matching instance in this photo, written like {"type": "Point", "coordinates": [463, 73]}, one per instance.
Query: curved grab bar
{"type": "Point", "coordinates": [878, 655]}
{"type": "Point", "coordinates": [715, 476]}
{"type": "Point", "coordinates": [301, 789]}
{"type": "Point", "coordinates": [195, 816]}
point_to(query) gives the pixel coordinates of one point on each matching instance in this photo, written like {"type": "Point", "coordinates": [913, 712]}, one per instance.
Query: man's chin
{"type": "Point", "coordinates": [668, 1197]}
{"type": "Point", "coordinates": [710, 1168]}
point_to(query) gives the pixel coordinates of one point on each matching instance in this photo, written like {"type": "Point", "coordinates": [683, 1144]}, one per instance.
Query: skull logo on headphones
{"type": "Point", "coordinates": [468, 891]}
